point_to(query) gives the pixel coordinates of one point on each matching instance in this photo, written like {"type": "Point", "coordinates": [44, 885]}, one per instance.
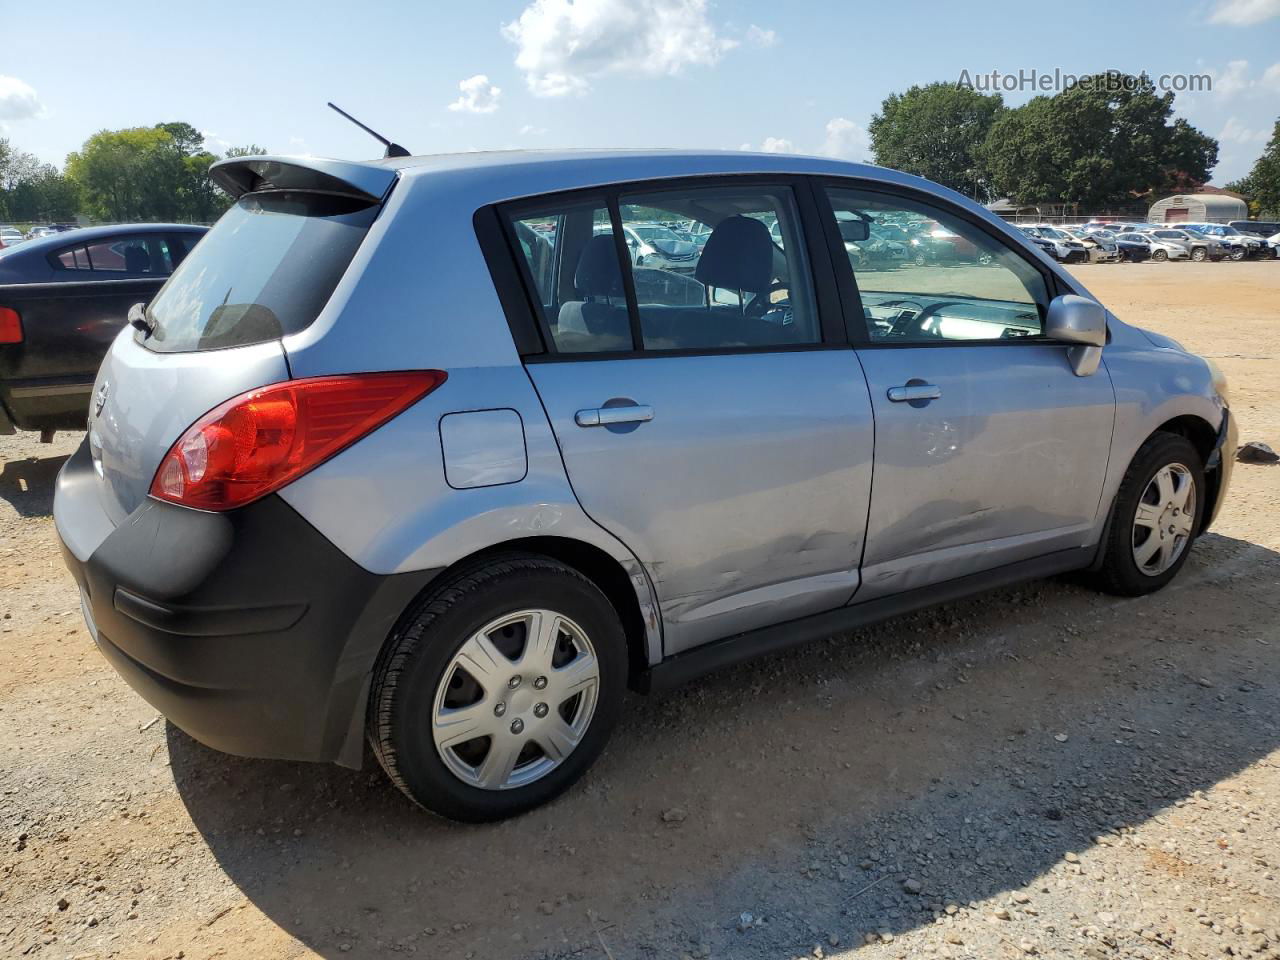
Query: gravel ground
{"type": "Point", "coordinates": [1041, 771]}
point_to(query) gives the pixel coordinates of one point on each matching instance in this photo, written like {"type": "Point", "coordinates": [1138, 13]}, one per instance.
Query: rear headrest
{"type": "Point", "coordinates": [136, 259]}
{"type": "Point", "coordinates": [598, 273]}
{"type": "Point", "coordinates": [738, 256]}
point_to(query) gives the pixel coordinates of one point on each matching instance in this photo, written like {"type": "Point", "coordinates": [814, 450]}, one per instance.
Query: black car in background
{"type": "Point", "coordinates": [63, 298]}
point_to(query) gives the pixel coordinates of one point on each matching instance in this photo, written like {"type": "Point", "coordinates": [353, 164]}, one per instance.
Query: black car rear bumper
{"type": "Point", "coordinates": [247, 629]}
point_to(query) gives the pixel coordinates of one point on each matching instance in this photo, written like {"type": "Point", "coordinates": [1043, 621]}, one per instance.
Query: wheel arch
{"type": "Point", "coordinates": [1204, 437]}
{"type": "Point", "coordinates": [638, 615]}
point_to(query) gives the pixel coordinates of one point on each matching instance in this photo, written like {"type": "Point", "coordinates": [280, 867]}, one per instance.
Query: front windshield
{"type": "Point", "coordinates": [1052, 234]}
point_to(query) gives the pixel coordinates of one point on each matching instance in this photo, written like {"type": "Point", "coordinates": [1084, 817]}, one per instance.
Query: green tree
{"type": "Point", "coordinates": [1102, 142]}
{"type": "Point", "coordinates": [125, 175]}
{"type": "Point", "coordinates": [31, 190]}
{"type": "Point", "coordinates": [936, 131]}
{"type": "Point", "coordinates": [1262, 186]}
{"type": "Point", "coordinates": [252, 150]}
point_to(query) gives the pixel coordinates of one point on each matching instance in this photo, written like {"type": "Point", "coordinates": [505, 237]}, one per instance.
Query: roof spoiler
{"type": "Point", "coordinates": [364, 181]}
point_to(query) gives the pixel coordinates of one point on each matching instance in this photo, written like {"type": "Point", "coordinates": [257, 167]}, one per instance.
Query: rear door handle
{"type": "Point", "coordinates": [603, 416]}
{"type": "Point", "coordinates": [914, 391]}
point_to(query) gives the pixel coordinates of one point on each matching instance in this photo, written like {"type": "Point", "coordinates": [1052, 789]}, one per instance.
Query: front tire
{"type": "Point", "coordinates": [498, 689]}
{"type": "Point", "coordinates": [1160, 256]}
{"type": "Point", "coordinates": [1156, 518]}
{"type": "Point", "coordinates": [1199, 254]}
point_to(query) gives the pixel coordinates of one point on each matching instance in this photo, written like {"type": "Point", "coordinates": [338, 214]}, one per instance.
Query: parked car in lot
{"type": "Point", "coordinates": [1239, 246]}
{"type": "Point", "coordinates": [1162, 250]}
{"type": "Point", "coordinates": [10, 236]}
{"type": "Point", "coordinates": [1273, 244]}
{"type": "Point", "coordinates": [653, 245]}
{"type": "Point", "coordinates": [1065, 247]}
{"type": "Point", "coordinates": [1257, 228]}
{"type": "Point", "coordinates": [63, 298]}
{"type": "Point", "coordinates": [1101, 246]}
{"type": "Point", "coordinates": [343, 483]}
{"type": "Point", "coordinates": [1130, 247]}
{"type": "Point", "coordinates": [1198, 246]}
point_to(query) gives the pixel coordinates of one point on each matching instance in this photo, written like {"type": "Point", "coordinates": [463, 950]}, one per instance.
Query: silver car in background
{"type": "Point", "coordinates": [405, 453]}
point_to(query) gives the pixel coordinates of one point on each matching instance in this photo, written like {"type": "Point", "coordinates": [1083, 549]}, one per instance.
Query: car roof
{"type": "Point", "coordinates": [68, 238]}
{"type": "Point", "coordinates": [495, 176]}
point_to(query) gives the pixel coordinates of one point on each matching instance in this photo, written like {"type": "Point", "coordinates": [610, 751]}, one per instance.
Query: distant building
{"type": "Point", "coordinates": [1210, 205]}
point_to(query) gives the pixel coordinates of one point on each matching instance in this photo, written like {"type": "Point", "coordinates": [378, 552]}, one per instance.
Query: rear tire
{"type": "Point", "coordinates": [424, 691]}
{"type": "Point", "coordinates": [1156, 517]}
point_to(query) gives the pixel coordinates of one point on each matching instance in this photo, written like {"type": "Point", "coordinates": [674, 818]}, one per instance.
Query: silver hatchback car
{"type": "Point", "coordinates": [412, 452]}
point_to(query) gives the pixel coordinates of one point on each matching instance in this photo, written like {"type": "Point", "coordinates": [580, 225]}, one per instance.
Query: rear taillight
{"type": "Point", "coordinates": [261, 440]}
{"type": "Point", "coordinates": [10, 326]}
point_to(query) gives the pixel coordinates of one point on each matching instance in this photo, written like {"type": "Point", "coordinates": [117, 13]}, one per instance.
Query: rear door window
{"type": "Point", "coordinates": [264, 271]}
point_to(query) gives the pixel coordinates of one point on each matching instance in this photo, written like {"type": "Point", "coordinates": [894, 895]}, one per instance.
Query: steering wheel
{"type": "Point", "coordinates": [761, 304]}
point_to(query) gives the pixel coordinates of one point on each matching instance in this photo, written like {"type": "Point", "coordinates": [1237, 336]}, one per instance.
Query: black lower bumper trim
{"type": "Point", "coordinates": [249, 629]}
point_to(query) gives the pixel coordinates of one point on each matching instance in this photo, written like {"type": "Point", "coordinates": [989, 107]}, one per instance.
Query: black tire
{"type": "Point", "coordinates": [1119, 573]}
{"type": "Point", "coordinates": [1238, 254]}
{"type": "Point", "coordinates": [1160, 256]}
{"type": "Point", "coordinates": [1199, 254]}
{"type": "Point", "coordinates": [422, 647]}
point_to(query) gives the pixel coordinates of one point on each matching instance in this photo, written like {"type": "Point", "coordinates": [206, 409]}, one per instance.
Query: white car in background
{"type": "Point", "coordinates": [9, 236]}
{"type": "Point", "coordinates": [1273, 244]}
{"type": "Point", "coordinates": [1066, 248]}
{"type": "Point", "coordinates": [1161, 249]}
{"type": "Point", "coordinates": [1101, 244]}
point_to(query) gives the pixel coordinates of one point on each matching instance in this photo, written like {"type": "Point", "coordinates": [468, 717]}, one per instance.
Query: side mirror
{"type": "Point", "coordinates": [1082, 323]}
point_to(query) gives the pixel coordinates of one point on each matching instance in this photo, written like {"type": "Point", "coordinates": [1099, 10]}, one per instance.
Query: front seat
{"type": "Point", "coordinates": [598, 280]}
{"type": "Point", "coordinates": [738, 256]}
{"type": "Point", "coordinates": [136, 259]}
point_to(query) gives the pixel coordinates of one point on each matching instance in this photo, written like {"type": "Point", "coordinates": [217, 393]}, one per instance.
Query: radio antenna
{"type": "Point", "coordinates": [393, 149]}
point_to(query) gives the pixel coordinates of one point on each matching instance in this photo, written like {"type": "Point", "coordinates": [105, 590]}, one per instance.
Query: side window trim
{"type": "Point", "coordinates": [832, 329]}
{"type": "Point", "coordinates": [509, 273]}
{"type": "Point", "coordinates": [628, 278]}
{"type": "Point", "coordinates": [847, 281]}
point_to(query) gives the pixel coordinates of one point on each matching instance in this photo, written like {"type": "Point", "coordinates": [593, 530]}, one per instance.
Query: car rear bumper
{"type": "Point", "coordinates": [247, 629]}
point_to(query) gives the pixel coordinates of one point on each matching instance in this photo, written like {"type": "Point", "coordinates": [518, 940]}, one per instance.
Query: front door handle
{"type": "Point", "coordinates": [914, 391]}
{"type": "Point", "coordinates": [603, 416]}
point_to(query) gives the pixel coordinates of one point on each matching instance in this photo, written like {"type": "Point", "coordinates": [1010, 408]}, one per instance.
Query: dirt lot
{"type": "Point", "coordinates": [1042, 771]}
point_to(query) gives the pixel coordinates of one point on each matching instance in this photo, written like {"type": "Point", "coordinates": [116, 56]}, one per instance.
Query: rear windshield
{"type": "Point", "coordinates": [265, 270]}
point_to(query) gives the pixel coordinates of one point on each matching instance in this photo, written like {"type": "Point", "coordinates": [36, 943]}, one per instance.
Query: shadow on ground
{"type": "Point", "coordinates": [28, 484]}
{"type": "Point", "coordinates": [967, 747]}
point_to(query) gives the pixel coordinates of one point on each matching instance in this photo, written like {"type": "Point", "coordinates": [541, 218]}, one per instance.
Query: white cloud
{"type": "Point", "coordinates": [1237, 132]}
{"type": "Point", "coordinates": [529, 130]}
{"type": "Point", "coordinates": [478, 95]}
{"type": "Point", "coordinates": [18, 101]}
{"type": "Point", "coordinates": [846, 140]}
{"type": "Point", "coordinates": [1271, 77]}
{"type": "Point", "coordinates": [760, 37]}
{"type": "Point", "coordinates": [1244, 13]}
{"type": "Point", "coordinates": [770, 145]}
{"type": "Point", "coordinates": [214, 142]}
{"type": "Point", "coordinates": [1231, 80]}
{"type": "Point", "coordinates": [561, 45]}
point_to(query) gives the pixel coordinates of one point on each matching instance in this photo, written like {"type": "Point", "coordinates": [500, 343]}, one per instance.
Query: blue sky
{"type": "Point", "coordinates": [680, 73]}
